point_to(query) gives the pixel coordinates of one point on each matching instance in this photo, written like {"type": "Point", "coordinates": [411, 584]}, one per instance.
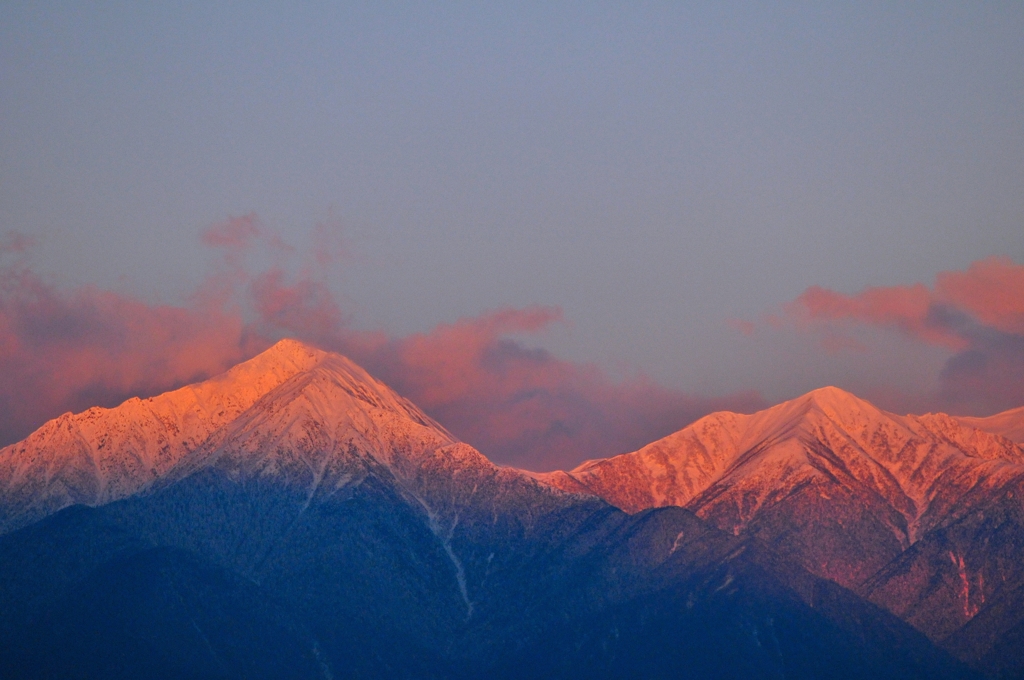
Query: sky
{"type": "Point", "coordinates": [564, 229]}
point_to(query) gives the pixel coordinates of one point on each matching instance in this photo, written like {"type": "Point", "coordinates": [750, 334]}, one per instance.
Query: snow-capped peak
{"type": "Point", "coordinates": [791, 443]}
{"type": "Point", "coordinates": [825, 476]}
{"type": "Point", "coordinates": [103, 454]}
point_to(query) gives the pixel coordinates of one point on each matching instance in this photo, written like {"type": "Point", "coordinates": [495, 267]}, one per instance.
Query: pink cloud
{"type": "Point", "coordinates": [990, 290]}
{"type": "Point", "coordinates": [977, 313]}
{"type": "Point", "coordinates": [68, 350]}
{"type": "Point", "coordinates": [904, 307]}
{"type": "Point", "coordinates": [525, 406]}
{"type": "Point", "coordinates": [304, 307]}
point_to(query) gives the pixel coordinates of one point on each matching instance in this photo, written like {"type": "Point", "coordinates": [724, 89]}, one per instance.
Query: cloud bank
{"type": "Point", "coordinates": [977, 314]}
{"type": "Point", "coordinates": [526, 406]}
{"type": "Point", "coordinates": [64, 350]}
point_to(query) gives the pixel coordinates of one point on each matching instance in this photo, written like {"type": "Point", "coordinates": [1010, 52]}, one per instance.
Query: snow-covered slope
{"type": "Point", "coordinates": [317, 422]}
{"type": "Point", "coordinates": [102, 454]}
{"type": "Point", "coordinates": [1009, 424]}
{"type": "Point", "coordinates": [299, 458]}
{"type": "Point", "coordinates": [834, 480]}
{"type": "Point", "coordinates": [310, 419]}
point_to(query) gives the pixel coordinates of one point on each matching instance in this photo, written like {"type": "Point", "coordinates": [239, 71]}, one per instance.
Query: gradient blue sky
{"type": "Point", "coordinates": [654, 169]}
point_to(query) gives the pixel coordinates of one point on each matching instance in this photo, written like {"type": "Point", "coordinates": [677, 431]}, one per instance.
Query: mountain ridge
{"type": "Point", "coordinates": [920, 514]}
{"type": "Point", "coordinates": [385, 543]}
{"type": "Point", "coordinates": [900, 457]}
{"type": "Point", "coordinates": [102, 455]}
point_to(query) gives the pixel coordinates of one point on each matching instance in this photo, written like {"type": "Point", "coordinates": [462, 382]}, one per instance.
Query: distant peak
{"type": "Point", "coordinates": [832, 391]}
{"type": "Point", "coordinates": [831, 396]}
{"type": "Point", "coordinates": [287, 352]}
{"type": "Point", "coordinates": [292, 347]}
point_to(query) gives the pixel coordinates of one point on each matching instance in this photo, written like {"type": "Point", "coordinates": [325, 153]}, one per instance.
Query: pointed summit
{"type": "Point", "coordinates": [293, 347]}
{"type": "Point", "coordinates": [101, 455]}
{"type": "Point", "coordinates": [825, 457]}
{"type": "Point", "coordinates": [287, 352]}
{"type": "Point", "coordinates": [264, 371]}
{"type": "Point", "coordinates": [835, 398]}
{"type": "Point", "coordinates": [327, 422]}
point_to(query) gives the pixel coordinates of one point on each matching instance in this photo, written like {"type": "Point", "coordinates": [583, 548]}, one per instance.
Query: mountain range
{"type": "Point", "coordinates": [295, 517]}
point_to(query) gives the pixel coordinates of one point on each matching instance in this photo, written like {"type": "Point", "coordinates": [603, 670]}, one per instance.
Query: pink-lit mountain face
{"type": "Point", "coordinates": [891, 506]}
{"type": "Point", "coordinates": [368, 523]}
{"type": "Point", "coordinates": [103, 455]}
{"type": "Point", "coordinates": [308, 419]}
{"type": "Point", "coordinates": [1009, 424]}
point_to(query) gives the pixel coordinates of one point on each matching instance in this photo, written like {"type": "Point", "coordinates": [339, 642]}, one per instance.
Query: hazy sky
{"type": "Point", "coordinates": [656, 170]}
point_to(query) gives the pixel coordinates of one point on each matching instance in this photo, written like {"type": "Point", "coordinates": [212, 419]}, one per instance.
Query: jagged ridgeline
{"type": "Point", "coordinates": [294, 517]}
